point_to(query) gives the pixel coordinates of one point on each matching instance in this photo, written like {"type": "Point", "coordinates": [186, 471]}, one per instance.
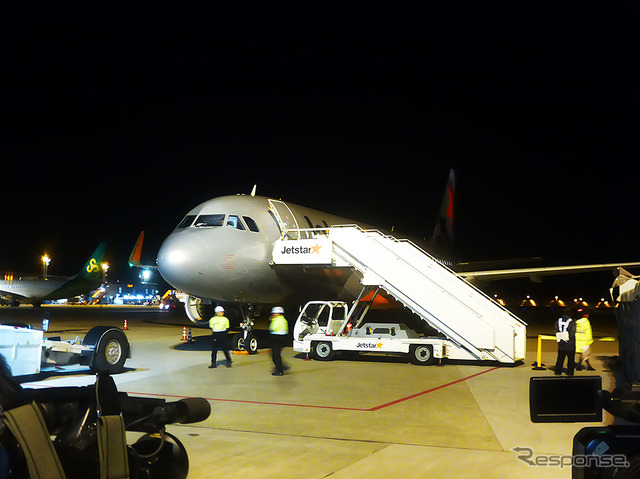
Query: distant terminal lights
{"type": "Point", "coordinates": [555, 302]}
{"type": "Point", "coordinates": [130, 293]}
{"type": "Point", "coordinates": [119, 294]}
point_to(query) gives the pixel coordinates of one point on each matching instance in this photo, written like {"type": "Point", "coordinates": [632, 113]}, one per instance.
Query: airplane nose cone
{"type": "Point", "coordinates": [177, 260]}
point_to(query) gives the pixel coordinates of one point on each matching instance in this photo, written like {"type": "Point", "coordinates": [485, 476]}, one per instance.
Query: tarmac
{"type": "Point", "coordinates": [364, 417]}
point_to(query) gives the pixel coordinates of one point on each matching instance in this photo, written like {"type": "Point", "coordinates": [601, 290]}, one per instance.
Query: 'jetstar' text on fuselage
{"type": "Point", "coordinates": [298, 250]}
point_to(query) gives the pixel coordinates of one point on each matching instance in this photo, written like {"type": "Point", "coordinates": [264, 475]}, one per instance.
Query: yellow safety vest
{"type": "Point", "coordinates": [279, 325]}
{"type": "Point", "coordinates": [219, 323]}
{"type": "Point", "coordinates": [584, 335]}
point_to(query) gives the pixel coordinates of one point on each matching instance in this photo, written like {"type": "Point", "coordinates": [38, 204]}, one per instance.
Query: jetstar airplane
{"type": "Point", "coordinates": [221, 253]}
{"type": "Point", "coordinates": [35, 290]}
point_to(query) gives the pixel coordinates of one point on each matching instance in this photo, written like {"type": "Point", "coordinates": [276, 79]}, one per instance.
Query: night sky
{"type": "Point", "coordinates": [111, 129]}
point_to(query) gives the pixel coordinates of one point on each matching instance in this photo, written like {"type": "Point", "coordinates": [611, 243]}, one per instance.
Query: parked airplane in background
{"type": "Point", "coordinates": [221, 253]}
{"type": "Point", "coordinates": [35, 290]}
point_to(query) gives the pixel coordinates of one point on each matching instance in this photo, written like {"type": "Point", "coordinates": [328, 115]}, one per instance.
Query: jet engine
{"type": "Point", "coordinates": [198, 309]}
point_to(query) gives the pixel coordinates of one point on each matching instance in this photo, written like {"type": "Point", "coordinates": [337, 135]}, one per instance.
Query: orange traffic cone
{"type": "Point", "coordinates": [125, 325]}
{"type": "Point", "coordinates": [184, 333]}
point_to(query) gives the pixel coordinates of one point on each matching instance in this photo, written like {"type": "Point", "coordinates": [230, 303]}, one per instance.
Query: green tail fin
{"type": "Point", "coordinates": [92, 269]}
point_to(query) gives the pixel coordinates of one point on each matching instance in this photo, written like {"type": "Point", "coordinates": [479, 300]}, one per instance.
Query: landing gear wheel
{"type": "Point", "coordinates": [421, 354]}
{"type": "Point", "coordinates": [251, 343]}
{"type": "Point", "coordinates": [323, 350]}
{"type": "Point", "coordinates": [111, 352]}
{"type": "Point", "coordinates": [237, 342]}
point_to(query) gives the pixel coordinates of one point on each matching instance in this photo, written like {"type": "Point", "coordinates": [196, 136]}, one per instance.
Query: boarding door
{"type": "Point", "coordinates": [286, 219]}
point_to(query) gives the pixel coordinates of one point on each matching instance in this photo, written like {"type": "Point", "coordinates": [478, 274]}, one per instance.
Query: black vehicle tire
{"type": "Point", "coordinates": [111, 352]}
{"type": "Point", "coordinates": [251, 343]}
{"type": "Point", "coordinates": [421, 354]}
{"type": "Point", "coordinates": [323, 350]}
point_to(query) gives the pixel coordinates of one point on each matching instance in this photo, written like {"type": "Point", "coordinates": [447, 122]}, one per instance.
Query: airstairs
{"type": "Point", "coordinates": [464, 314]}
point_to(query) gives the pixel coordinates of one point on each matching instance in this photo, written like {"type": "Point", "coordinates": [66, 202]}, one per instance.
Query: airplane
{"type": "Point", "coordinates": [35, 290]}
{"type": "Point", "coordinates": [221, 252]}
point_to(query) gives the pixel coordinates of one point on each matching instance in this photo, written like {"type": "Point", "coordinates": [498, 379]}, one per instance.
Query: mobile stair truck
{"type": "Point", "coordinates": [471, 325]}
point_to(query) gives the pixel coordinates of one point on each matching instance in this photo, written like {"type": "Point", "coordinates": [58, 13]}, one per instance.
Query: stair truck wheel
{"type": "Point", "coordinates": [421, 354]}
{"type": "Point", "coordinates": [323, 350]}
{"type": "Point", "coordinates": [251, 343]}
{"type": "Point", "coordinates": [111, 348]}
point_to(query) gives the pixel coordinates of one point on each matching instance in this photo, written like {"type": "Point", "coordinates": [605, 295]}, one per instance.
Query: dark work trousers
{"type": "Point", "coordinates": [570, 354]}
{"type": "Point", "coordinates": [278, 342]}
{"type": "Point", "coordinates": [220, 340]}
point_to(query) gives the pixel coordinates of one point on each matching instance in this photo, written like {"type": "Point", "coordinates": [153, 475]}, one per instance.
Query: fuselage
{"type": "Point", "coordinates": [223, 247]}
{"type": "Point", "coordinates": [33, 288]}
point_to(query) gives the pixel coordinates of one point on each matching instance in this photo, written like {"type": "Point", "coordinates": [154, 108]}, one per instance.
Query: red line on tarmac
{"type": "Point", "coordinates": [372, 409]}
{"type": "Point", "coordinates": [437, 388]}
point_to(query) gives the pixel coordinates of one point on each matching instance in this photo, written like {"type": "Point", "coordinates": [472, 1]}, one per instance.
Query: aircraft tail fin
{"type": "Point", "coordinates": [92, 269]}
{"type": "Point", "coordinates": [90, 276]}
{"type": "Point", "coordinates": [136, 252]}
{"type": "Point", "coordinates": [442, 238]}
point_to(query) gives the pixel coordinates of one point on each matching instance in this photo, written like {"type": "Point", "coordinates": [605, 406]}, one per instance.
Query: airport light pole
{"type": "Point", "coordinates": [45, 262]}
{"type": "Point", "coordinates": [105, 268]}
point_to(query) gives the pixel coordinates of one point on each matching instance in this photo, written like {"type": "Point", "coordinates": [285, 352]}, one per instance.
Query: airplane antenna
{"type": "Point", "coordinates": [253, 191]}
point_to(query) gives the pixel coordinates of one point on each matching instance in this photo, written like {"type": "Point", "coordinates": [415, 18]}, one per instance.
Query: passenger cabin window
{"type": "Point", "coordinates": [234, 222]}
{"type": "Point", "coordinates": [205, 221]}
{"type": "Point", "coordinates": [186, 222]}
{"type": "Point", "coordinates": [251, 224]}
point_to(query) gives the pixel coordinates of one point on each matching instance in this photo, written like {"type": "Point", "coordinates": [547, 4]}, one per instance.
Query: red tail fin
{"type": "Point", "coordinates": [136, 253]}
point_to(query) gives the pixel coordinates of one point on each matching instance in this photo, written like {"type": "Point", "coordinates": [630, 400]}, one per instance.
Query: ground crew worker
{"type": "Point", "coordinates": [584, 339]}
{"type": "Point", "coordinates": [219, 325]}
{"type": "Point", "coordinates": [566, 337]}
{"type": "Point", "coordinates": [279, 328]}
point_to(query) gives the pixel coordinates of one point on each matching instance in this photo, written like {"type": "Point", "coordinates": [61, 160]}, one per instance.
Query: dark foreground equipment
{"type": "Point", "coordinates": [89, 426]}
{"type": "Point", "coordinates": [604, 451]}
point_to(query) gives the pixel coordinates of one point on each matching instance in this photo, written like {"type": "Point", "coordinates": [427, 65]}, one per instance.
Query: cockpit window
{"type": "Point", "coordinates": [235, 222]}
{"type": "Point", "coordinates": [187, 221]}
{"type": "Point", "coordinates": [209, 221]}
{"type": "Point", "coordinates": [251, 224]}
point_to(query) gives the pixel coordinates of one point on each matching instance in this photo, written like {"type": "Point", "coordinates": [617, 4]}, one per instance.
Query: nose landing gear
{"type": "Point", "coordinates": [247, 339]}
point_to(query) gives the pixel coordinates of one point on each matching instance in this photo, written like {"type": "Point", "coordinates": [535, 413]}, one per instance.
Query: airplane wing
{"type": "Point", "coordinates": [535, 274]}
{"type": "Point", "coordinates": [10, 296]}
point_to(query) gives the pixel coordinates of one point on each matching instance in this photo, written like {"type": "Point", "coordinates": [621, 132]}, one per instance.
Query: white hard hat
{"type": "Point", "coordinates": [277, 310]}
{"type": "Point", "coordinates": [219, 309]}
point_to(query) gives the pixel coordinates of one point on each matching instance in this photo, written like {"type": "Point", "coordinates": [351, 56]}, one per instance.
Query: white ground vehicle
{"type": "Point", "coordinates": [470, 325]}
{"type": "Point", "coordinates": [326, 327]}
{"type": "Point", "coordinates": [26, 351]}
